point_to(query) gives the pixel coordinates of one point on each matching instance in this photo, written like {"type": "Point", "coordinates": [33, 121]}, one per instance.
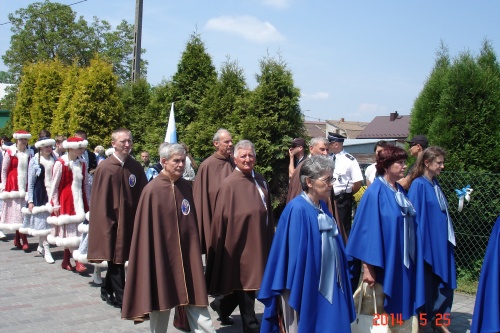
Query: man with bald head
{"type": "Point", "coordinates": [317, 146]}
{"type": "Point", "coordinates": [211, 173]}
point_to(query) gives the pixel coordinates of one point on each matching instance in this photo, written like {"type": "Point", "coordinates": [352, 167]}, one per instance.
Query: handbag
{"type": "Point", "coordinates": [180, 319]}
{"type": "Point", "coordinates": [369, 323]}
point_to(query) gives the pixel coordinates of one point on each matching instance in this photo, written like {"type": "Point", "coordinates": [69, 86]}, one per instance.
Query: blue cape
{"type": "Point", "coordinates": [377, 238]}
{"type": "Point", "coordinates": [486, 318]}
{"type": "Point", "coordinates": [432, 226]}
{"type": "Point", "coordinates": [294, 264]}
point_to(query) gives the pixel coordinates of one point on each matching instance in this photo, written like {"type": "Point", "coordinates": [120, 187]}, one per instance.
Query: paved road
{"type": "Point", "coordinates": [39, 297]}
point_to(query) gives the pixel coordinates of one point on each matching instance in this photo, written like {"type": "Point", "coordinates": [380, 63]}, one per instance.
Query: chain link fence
{"type": "Point", "coordinates": [474, 223]}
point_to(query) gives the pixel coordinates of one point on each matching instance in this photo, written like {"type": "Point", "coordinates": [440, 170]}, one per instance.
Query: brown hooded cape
{"type": "Point", "coordinates": [165, 268]}
{"type": "Point", "coordinates": [294, 186]}
{"type": "Point", "coordinates": [211, 173]}
{"type": "Point", "coordinates": [242, 232]}
{"type": "Point", "coordinates": [113, 201]}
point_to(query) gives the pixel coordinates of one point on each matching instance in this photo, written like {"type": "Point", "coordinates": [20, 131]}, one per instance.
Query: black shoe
{"type": "Point", "coordinates": [109, 299]}
{"type": "Point", "coordinates": [224, 320]}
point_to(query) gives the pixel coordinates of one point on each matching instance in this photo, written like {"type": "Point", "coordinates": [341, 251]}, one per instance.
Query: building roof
{"type": "Point", "coordinates": [393, 126]}
{"type": "Point", "coordinates": [315, 128]}
{"type": "Point", "coordinates": [350, 129]}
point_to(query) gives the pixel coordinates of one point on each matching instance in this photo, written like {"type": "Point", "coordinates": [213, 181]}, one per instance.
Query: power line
{"type": "Point", "coordinates": [75, 3]}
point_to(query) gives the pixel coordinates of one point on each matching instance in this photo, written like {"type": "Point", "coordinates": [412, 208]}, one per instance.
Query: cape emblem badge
{"type": "Point", "coordinates": [185, 207]}
{"type": "Point", "coordinates": [132, 180]}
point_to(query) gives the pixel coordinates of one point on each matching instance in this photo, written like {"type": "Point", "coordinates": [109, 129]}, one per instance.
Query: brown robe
{"type": "Point", "coordinates": [165, 268]}
{"type": "Point", "coordinates": [294, 186]}
{"type": "Point", "coordinates": [210, 175]}
{"type": "Point", "coordinates": [242, 232]}
{"type": "Point", "coordinates": [113, 201]}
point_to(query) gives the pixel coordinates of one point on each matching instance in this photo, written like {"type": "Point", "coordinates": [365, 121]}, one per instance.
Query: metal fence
{"type": "Point", "coordinates": [474, 223]}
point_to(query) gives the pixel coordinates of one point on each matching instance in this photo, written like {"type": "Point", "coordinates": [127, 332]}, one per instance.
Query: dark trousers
{"type": "Point", "coordinates": [344, 210]}
{"type": "Point", "coordinates": [114, 282]}
{"type": "Point", "coordinates": [246, 302]}
{"type": "Point", "coordinates": [438, 298]}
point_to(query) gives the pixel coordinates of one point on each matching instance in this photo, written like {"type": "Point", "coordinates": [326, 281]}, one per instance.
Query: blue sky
{"type": "Point", "coordinates": [350, 59]}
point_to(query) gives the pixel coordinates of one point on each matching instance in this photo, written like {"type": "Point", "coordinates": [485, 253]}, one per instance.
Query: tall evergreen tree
{"type": "Point", "coordinates": [194, 77]}
{"type": "Point", "coordinates": [21, 118]}
{"type": "Point", "coordinates": [61, 117]}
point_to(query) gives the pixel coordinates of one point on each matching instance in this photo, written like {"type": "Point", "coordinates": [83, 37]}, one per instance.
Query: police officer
{"type": "Point", "coordinates": [348, 180]}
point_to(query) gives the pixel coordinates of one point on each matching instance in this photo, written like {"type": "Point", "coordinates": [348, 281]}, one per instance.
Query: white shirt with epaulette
{"type": "Point", "coordinates": [346, 172]}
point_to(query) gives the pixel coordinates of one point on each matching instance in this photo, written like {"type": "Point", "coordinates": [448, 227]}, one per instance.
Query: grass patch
{"type": "Point", "coordinates": [467, 285]}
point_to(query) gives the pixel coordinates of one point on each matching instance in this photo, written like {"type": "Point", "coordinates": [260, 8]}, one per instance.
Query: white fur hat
{"type": "Point", "coordinates": [22, 135]}
{"type": "Point", "coordinates": [74, 143]}
{"type": "Point", "coordinates": [44, 142]}
{"type": "Point", "coordinates": [110, 151]}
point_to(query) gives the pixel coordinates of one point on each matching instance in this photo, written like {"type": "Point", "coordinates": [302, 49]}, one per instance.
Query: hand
{"type": "Point", "coordinates": [292, 151]}
{"type": "Point", "coordinates": [369, 274]}
{"type": "Point", "coordinates": [56, 211]}
{"type": "Point", "coordinates": [30, 206]}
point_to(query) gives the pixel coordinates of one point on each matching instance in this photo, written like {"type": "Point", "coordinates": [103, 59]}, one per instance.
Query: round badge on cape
{"type": "Point", "coordinates": [132, 180]}
{"type": "Point", "coordinates": [185, 207]}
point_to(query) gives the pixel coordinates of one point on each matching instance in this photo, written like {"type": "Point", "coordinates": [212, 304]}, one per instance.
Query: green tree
{"type": "Point", "coordinates": [20, 116]}
{"type": "Point", "coordinates": [61, 117]}
{"type": "Point", "coordinates": [223, 101]}
{"type": "Point", "coordinates": [194, 77]}
{"type": "Point", "coordinates": [466, 121]}
{"type": "Point", "coordinates": [5, 77]}
{"type": "Point", "coordinates": [95, 106]}
{"type": "Point", "coordinates": [272, 119]}
{"type": "Point", "coordinates": [46, 30]}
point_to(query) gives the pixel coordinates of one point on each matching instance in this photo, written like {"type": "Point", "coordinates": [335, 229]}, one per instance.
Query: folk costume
{"type": "Point", "coordinates": [485, 318]}
{"type": "Point", "coordinates": [70, 191]}
{"type": "Point", "coordinates": [294, 186]}
{"type": "Point", "coordinates": [296, 265]}
{"type": "Point", "coordinates": [165, 268]}
{"type": "Point", "coordinates": [383, 235]}
{"type": "Point", "coordinates": [39, 184]}
{"type": "Point", "coordinates": [436, 231]}
{"type": "Point", "coordinates": [241, 237]}
{"type": "Point", "coordinates": [211, 173]}
{"type": "Point", "coordinates": [116, 191]}
{"type": "Point", "coordinates": [13, 188]}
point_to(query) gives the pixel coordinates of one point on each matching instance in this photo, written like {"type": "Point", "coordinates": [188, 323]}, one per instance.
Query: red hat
{"type": "Point", "coordinates": [74, 143]}
{"type": "Point", "coordinates": [22, 135]}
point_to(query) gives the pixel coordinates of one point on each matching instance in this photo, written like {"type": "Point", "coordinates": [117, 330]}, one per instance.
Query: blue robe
{"type": "Point", "coordinates": [432, 227]}
{"type": "Point", "coordinates": [377, 238]}
{"type": "Point", "coordinates": [486, 317]}
{"type": "Point", "coordinates": [294, 264]}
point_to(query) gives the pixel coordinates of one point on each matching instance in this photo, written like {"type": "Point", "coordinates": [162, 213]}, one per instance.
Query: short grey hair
{"type": "Point", "coordinates": [244, 144]}
{"type": "Point", "coordinates": [316, 140]}
{"type": "Point", "coordinates": [218, 133]}
{"type": "Point", "coordinates": [314, 167]}
{"type": "Point", "coordinates": [168, 150]}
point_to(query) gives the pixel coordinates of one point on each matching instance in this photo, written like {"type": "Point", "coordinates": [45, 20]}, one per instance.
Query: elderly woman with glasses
{"type": "Point", "coordinates": [384, 240]}
{"type": "Point", "coordinates": [306, 284]}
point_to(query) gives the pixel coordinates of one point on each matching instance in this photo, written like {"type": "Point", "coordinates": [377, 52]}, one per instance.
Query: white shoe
{"type": "Point", "coordinates": [96, 276]}
{"type": "Point", "coordinates": [47, 255]}
{"type": "Point", "coordinates": [2, 235]}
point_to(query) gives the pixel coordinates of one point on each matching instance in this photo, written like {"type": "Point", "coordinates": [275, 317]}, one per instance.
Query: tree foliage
{"type": "Point", "coordinates": [46, 30]}
{"type": "Point", "coordinates": [466, 116]}
{"type": "Point", "coordinates": [194, 77]}
{"type": "Point", "coordinates": [61, 118]}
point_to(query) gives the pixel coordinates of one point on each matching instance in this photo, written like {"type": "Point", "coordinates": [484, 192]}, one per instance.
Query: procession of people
{"type": "Point", "coordinates": [171, 240]}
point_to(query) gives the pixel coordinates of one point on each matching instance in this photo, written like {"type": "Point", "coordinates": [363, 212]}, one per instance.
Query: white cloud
{"type": "Point", "coordinates": [280, 4]}
{"type": "Point", "coordinates": [316, 96]}
{"type": "Point", "coordinates": [246, 26]}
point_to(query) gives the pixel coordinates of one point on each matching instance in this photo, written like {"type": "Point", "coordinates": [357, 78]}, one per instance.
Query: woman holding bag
{"type": "Point", "coordinates": [383, 238]}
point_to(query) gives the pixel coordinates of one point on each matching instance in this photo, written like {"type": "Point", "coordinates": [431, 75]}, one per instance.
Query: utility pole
{"type": "Point", "coordinates": [136, 61]}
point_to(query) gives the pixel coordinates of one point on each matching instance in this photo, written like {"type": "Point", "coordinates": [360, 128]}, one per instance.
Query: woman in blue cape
{"type": "Point", "coordinates": [435, 230]}
{"type": "Point", "coordinates": [383, 238]}
{"type": "Point", "coordinates": [486, 318]}
{"type": "Point", "coordinates": [306, 285]}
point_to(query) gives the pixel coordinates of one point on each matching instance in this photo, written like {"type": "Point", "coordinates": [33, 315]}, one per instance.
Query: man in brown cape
{"type": "Point", "coordinates": [117, 187]}
{"type": "Point", "coordinates": [211, 173]}
{"type": "Point", "coordinates": [317, 146]}
{"type": "Point", "coordinates": [242, 232]}
{"type": "Point", "coordinates": [165, 268]}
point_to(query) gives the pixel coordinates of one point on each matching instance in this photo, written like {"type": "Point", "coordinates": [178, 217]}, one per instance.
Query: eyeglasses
{"type": "Point", "coordinates": [327, 181]}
